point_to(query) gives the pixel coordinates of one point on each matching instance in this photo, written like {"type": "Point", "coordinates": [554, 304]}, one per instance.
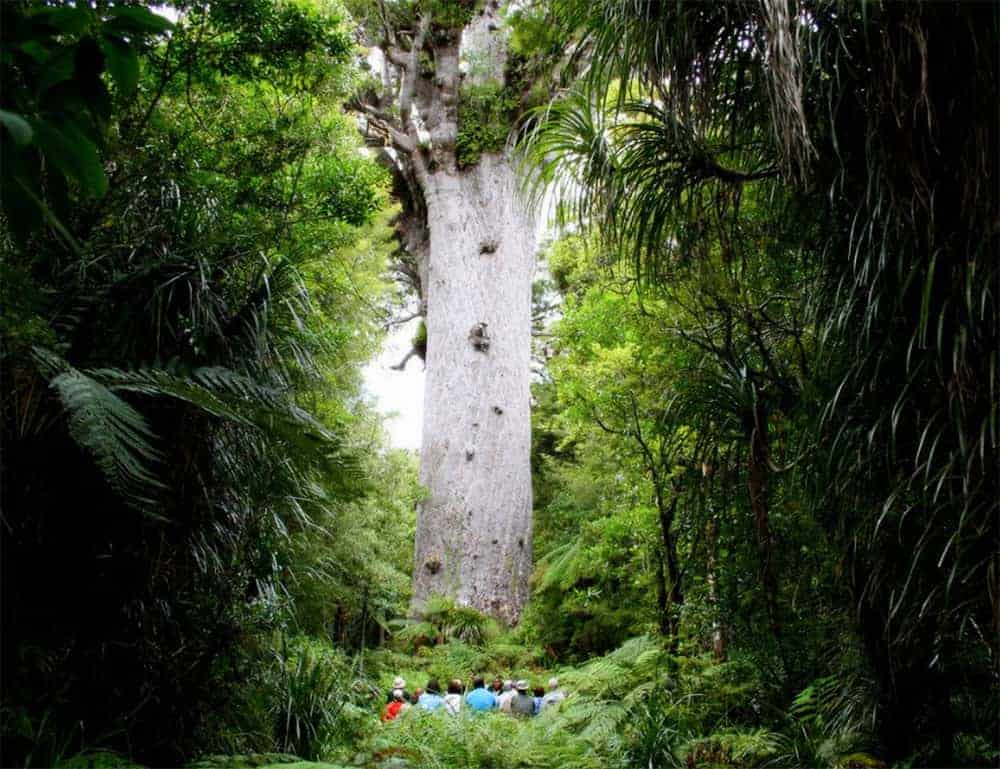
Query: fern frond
{"type": "Point", "coordinates": [113, 432]}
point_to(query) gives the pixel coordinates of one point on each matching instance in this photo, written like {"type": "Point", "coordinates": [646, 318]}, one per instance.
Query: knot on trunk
{"type": "Point", "coordinates": [433, 565]}
{"type": "Point", "coordinates": [489, 246]}
{"type": "Point", "coordinates": [479, 338]}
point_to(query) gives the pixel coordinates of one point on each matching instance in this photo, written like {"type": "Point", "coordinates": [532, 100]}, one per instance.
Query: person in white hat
{"type": "Point", "coordinates": [555, 695]}
{"type": "Point", "coordinates": [398, 683]}
{"type": "Point", "coordinates": [523, 703]}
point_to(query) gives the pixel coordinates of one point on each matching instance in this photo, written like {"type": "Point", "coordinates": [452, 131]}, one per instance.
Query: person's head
{"type": "Point", "coordinates": [508, 685]}
{"type": "Point", "coordinates": [539, 691]}
{"type": "Point", "coordinates": [398, 683]}
{"type": "Point", "coordinates": [498, 683]}
{"type": "Point", "coordinates": [397, 695]}
{"type": "Point", "coordinates": [454, 686]}
{"type": "Point", "coordinates": [433, 687]}
{"type": "Point", "coordinates": [553, 684]}
{"type": "Point", "coordinates": [478, 682]}
{"type": "Point", "coordinates": [522, 687]}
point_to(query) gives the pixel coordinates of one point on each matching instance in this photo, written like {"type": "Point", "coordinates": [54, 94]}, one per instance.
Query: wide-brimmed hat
{"type": "Point", "coordinates": [398, 683]}
{"type": "Point", "coordinates": [521, 686]}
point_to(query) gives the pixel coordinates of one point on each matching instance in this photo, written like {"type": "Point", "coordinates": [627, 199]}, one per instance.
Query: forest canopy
{"type": "Point", "coordinates": [762, 504]}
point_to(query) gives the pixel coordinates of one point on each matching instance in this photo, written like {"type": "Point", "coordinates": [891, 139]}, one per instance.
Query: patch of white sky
{"type": "Point", "coordinates": [399, 395]}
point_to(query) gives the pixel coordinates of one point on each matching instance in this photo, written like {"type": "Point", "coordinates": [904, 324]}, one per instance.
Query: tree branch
{"type": "Point", "coordinates": [385, 124]}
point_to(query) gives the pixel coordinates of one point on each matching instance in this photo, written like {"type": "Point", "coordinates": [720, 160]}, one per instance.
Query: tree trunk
{"type": "Point", "coordinates": [718, 629]}
{"type": "Point", "coordinates": [474, 529]}
{"type": "Point", "coordinates": [757, 486]}
{"type": "Point", "coordinates": [672, 577]}
{"type": "Point", "coordinates": [470, 247]}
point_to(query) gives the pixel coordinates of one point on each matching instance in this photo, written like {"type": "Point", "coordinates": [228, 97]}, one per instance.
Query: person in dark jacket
{"type": "Point", "coordinates": [398, 683]}
{"type": "Point", "coordinates": [523, 704]}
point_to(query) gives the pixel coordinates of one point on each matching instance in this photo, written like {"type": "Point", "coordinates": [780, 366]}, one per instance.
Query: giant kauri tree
{"type": "Point", "coordinates": [442, 111]}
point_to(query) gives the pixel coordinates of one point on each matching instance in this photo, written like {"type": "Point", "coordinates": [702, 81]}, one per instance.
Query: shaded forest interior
{"type": "Point", "coordinates": [764, 393]}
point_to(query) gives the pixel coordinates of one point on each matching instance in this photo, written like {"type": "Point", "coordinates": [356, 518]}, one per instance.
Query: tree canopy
{"type": "Point", "coordinates": [764, 400]}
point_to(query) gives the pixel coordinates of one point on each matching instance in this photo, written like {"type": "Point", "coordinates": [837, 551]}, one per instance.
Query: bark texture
{"type": "Point", "coordinates": [468, 249]}
{"type": "Point", "coordinates": [474, 530]}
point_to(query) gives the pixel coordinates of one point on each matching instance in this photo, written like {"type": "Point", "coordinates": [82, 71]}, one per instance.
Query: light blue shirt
{"type": "Point", "coordinates": [430, 701]}
{"type": "Point", "coordinates": [480, 699]}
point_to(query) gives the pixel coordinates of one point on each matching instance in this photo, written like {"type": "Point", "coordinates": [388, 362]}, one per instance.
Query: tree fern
{"type": "Point", "coordinates": [110, 429]}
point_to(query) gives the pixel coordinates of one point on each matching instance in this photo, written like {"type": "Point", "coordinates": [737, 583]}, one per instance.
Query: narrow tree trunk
{"type": "Point", "coordinates": [757, 484]}
{"type": "Point", "coordinates": [474, 529]}
{"type": "Point", "coordinates": [662, 602]}
{"type": "Point", "coordinates": [718, 629]}
{"type": "Point", "coordinates": [672, 578]}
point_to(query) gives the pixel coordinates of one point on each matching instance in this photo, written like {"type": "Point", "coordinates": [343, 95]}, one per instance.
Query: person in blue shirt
{"type": "Point", "coordinates": [539, 692]}
{"type": "Point", "coordinates": [431, 699]}
{"type": "Point", "coordinates": [479, 698]}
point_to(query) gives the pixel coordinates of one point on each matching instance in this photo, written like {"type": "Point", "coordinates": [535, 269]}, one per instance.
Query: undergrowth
{"type": "Point", "coordinates": [638, 706]}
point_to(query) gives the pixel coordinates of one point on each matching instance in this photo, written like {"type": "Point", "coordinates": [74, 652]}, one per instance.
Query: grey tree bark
{"type": "Point", "coordinates": [469, 250]}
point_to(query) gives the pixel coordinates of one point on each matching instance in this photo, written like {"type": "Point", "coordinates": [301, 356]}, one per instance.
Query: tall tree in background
{"type": "Point", "coordinates": [444, 110]}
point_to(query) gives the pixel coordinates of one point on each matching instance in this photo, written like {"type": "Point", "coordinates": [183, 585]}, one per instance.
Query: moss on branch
{"type": "Point", "coordinates": [486, 113]}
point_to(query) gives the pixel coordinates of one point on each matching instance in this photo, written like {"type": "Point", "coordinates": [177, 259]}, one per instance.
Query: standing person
{"type": "Point", "coordinates": [396, 706]}
{"type": "Point", "coordinates": [503, 701]}
{"type": "Point", "coordinates": [397, 683]}
{"type": "Point", "coordinates": [555, 695]}
{"type": "Point", "coordinates": [480, 699]}
{"type": "Point", "coordinates": [522, 704]}
{"type": "Point", "coordinates": [539, 692]}
{"type": "Point", "coordinates": [453, 699]}
{"type": "Point", "coordinates": [431, 699]}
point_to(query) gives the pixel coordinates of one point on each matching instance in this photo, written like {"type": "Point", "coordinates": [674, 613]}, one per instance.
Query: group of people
{"type": "Point", "coordinates": [516, 698]}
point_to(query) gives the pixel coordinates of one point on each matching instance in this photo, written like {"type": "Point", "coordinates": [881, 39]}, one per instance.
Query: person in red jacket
{"type": "Point", "coordinates": [395, 707]}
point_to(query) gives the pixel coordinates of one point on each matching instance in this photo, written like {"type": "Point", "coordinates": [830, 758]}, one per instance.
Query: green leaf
{"type": "Point", "coordinates": [58, 68]}
{"type": "Point", "coordinates": [135, 19]}
{"type": "Point", "coordinates": [17, 125]}
{"type": "Point", "coordinates": [72, 153]}
{"type": "Point", "coordinates": [35, 50]}
{"type": "Point", "coordinates": [122, 63]}
{"type": "Point", "coordinates": [69, 21]}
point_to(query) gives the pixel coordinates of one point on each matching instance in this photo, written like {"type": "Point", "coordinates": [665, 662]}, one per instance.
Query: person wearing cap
{"type": "Point", "coordinates": [522, 704]}
{"type": "Point", "coordinates": [503, 701]}
{"type": "Point", "coordinates": [396, 706]}
{"type": "Point", "coordinates": [555, 695]}
{"type": "Point", "coordinates": [480, 699]}
{"type": "Point", "coordinates": [398, 683]}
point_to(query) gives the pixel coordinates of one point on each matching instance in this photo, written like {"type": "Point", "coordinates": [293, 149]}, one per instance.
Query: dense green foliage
{"type": "Point", "coordinates": [799, 346]}
{"type": "Point", "coordinates": [485, 113]}
{"type": "Point", "coordinates": [765, 419]}
{"type": "Point", "coordinates": [187, 302]}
